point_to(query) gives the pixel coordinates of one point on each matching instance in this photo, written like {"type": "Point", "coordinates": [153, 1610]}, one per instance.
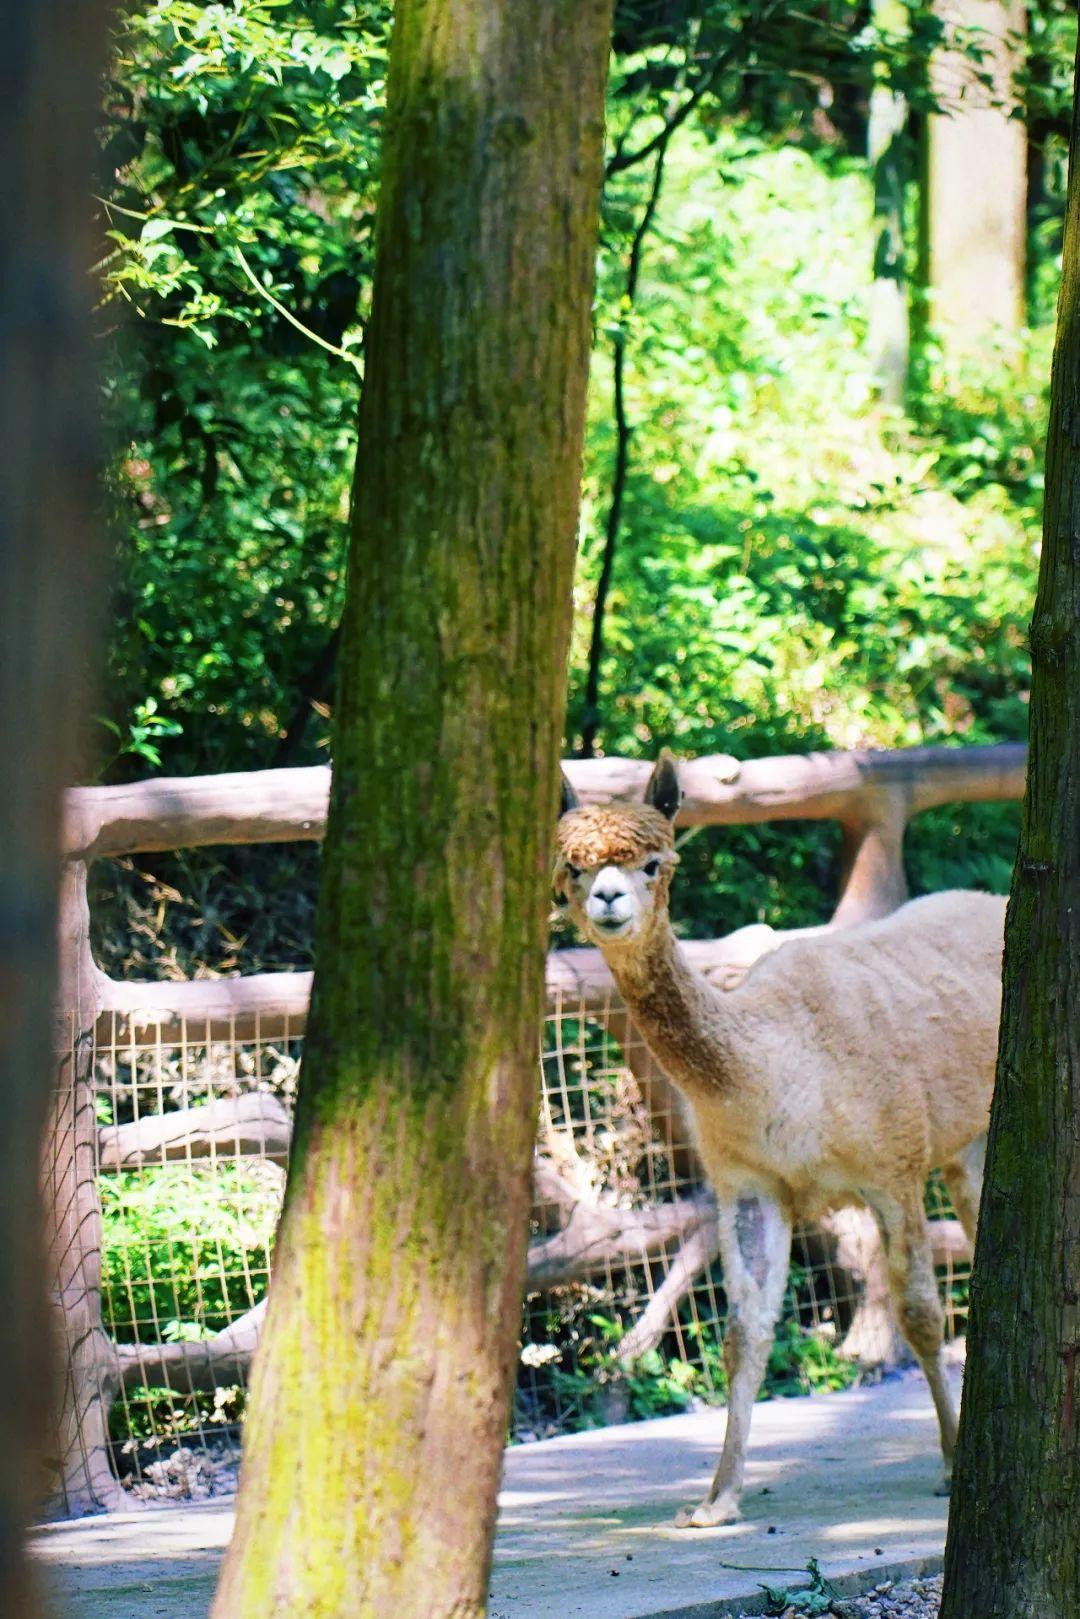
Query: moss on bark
{"type": "Point", "coordinates": [381, 1393]}
{"type": "Point", "coordinates": [1014, 1530]}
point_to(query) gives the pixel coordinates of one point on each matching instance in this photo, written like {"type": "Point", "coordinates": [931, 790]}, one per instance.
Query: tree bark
{"type": "Point", "coordinates": [49, 563]}
{"type": "Point", "coordinates": [381, 1392]}
{"type": "Point", "coordinates": [1013, 1548]}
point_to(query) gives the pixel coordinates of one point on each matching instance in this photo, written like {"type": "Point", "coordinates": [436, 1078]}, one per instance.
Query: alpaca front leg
{"type": "Point", "coordinates": [755, 1245]}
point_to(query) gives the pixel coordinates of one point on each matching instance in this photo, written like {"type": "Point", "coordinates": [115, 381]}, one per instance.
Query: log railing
{"type": "Point", "coordinates": [871, 795]}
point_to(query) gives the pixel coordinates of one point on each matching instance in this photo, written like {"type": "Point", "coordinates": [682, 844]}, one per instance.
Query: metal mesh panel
{"type": "Point", "coordinates": [624, 1301]}
{"type": "Point", "coordinates": [191, 1183]}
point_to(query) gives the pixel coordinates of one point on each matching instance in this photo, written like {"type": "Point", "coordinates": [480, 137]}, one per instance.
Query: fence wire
{"type": "Point", "coordinates": [624, 1302]}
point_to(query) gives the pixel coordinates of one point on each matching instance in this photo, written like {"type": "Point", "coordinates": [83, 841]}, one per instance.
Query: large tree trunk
{"type": "Point", "coordinates": [380, 1400]}
{"type": "Point", "coordinates": [1014, 1530]}
{"type": "Point", "coordinates": [48, 567]}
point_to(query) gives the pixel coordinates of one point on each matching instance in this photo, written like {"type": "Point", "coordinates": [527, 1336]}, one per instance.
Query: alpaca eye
{"type": "Point", "coordinates": [573, 872]}
{"type": "Point", "coordinates": [651, 867]}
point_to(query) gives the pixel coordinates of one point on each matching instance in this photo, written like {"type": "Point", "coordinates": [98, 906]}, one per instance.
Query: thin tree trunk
{"type": "Point", "coordinates": [48, 570]}
{"type": "Point", "coordinates": [887, 143]}
{"type": "Point", "coordinates": [381, 1392]}
{"type": "Point", "coordinates": [976, 181]}
{"type": "Point", "coordinates": [1014, 1530]}
{"type": "Point", "coordinates": [591, 722]}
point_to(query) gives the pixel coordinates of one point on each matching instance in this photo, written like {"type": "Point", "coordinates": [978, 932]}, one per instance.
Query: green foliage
{"type": "Point", "coordinates": [572, 1377]}
{"type": "Point", "coordinates": [803, 1361]}
{"type": "Point", "coordinates": [962, 846]}
{"type": "Point", "coordinates": [784, 572]}
{"type": "Point", "coordinates": [244, 134]}
{"type": "Point", "coordinates": [794, 571]}
{"type": "Point", "coordinates": [161, 1417]}
{"type": "Point", "coordinates": [240, 156]}
{"type": "Point", "coordinates": [185, 1249]}
{"type": "Point", "coordinates": [240, 152]}
{"type": "Point", "coordinates": [597, 1388]}
{"type": "Point", "coordinates": [145, 729]}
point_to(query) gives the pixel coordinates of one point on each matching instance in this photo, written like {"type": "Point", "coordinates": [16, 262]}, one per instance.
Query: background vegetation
{"type": "Point", "coordinates": [793, 568]}
{"type": "Point", "coordinates": [776, 563]}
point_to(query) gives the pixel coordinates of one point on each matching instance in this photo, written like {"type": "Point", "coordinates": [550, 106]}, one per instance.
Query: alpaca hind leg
{"type": "Point", "coordinates": [918, 1307]}
{"type": "Point", "coordinates": [755, 1245]}
{"type": "Point", "coordinates": [964, 1181]}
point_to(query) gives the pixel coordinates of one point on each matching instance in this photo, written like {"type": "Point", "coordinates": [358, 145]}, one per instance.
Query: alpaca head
{"type": "Point", "coordinates": [614, 862]}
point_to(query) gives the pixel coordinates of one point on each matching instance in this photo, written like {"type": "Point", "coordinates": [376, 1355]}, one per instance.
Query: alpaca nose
{"type": "Point", "coordinates": [607, 896]}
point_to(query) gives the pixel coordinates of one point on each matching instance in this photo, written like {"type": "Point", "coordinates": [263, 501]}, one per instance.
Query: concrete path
{"type": "Point", "coordinates": [585, 1522]}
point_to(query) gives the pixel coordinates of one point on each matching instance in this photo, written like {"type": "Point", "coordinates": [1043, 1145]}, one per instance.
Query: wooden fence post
{"type": "Point", "coordinates": [82, 1479]}
{"type": "Point", "coordinates": [872, 880]}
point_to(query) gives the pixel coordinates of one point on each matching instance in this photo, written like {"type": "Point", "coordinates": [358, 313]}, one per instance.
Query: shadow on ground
{"type": "Point", "coordinates": [586, 1521]}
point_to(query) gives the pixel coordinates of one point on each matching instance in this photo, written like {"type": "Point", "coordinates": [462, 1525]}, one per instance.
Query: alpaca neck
{"type": "Point", "coordinates": [687, 1024]}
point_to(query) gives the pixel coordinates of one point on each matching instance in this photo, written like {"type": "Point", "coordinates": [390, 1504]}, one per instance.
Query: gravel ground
{"type": "Point", "coordinates": [910, 1599]}
{"type": "Point", "coordinates": [913, 1599]}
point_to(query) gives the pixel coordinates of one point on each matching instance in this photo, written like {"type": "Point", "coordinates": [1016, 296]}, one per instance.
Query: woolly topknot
{"type": "Point", "coordinates": [612, 834]}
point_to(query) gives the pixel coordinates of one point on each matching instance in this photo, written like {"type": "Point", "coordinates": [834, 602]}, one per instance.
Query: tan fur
{"type": "Point", "coordinates": [599, 834]}
{"type": "Point", "coordinates": [842, 1070]}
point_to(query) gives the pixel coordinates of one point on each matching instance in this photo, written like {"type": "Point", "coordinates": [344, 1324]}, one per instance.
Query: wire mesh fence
{"type": "Point", "coordinates": [624, 1301]}
{"type": "Point", "coordinates": [171, 1125]}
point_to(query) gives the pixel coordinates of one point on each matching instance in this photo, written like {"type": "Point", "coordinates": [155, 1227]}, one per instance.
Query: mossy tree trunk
{"type": "Point", "coordinates": [49, 569]}
{"type": "Point", "coordinates": [1014, 1530]}
{"type": "Point", "coordinates": [381, 1392]}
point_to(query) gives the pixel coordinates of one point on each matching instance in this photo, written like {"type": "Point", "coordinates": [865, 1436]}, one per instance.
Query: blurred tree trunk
{"type": "Point", "coordinates": [48, 572]}
{"type": "Point", "coordinates": [887, 143]}
{"type": "Point", "coordinates": [381, 1393]}
{"type": "Point", "coordinates": [1014, 1529]}
{"type": "Point", "coordinates": [975, 193]}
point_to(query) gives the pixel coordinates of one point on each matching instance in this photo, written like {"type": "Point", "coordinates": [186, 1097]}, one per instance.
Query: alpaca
{"type": "Point", "coordinates": [842, 1070]}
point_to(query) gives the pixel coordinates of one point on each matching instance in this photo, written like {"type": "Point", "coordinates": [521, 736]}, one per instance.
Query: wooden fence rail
{"type": "Point", "coordinates": [872, 795]}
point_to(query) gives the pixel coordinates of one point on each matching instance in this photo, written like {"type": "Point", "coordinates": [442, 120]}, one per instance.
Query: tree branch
{"type": "Point", "coordinates": [674, 119]}
{"type": "Point", "coordinates": [591, 722]}
{"type": "Point", "coordinates": [696, 1254]}
{"type": "Point", "coordinates": [598, 1235]}
{"type": "Point", "coordinates": [207, 1364]}
{"type": "Point", "coordinates": [256, 1125]}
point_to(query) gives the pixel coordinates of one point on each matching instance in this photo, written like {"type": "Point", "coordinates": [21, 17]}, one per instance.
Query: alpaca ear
{"type": "Point", "coordinates": [569, 797]}
{"type": "Point", "coordinates": [663, 792]}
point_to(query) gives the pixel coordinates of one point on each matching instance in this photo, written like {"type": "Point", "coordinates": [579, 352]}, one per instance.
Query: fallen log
{"type": "Point", "coordinates": [855, 1258]}
{"type": "Point", "coordinates": [208, 1363]}
{"type": "Point", "coordinates": [254, 1125]}
{"type": "Point", "coordinates": [596, 1237]}
{"type": "Point", "coordinates": [599, 1235]}
{"type": "Point", "coordinates": [697, 1253]}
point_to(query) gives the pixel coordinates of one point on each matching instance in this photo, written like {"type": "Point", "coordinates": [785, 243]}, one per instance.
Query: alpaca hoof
{"type": "Point", "coordinates": [709, 1515]}
{"type": "Point", "coordinates": [945, 1487]}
